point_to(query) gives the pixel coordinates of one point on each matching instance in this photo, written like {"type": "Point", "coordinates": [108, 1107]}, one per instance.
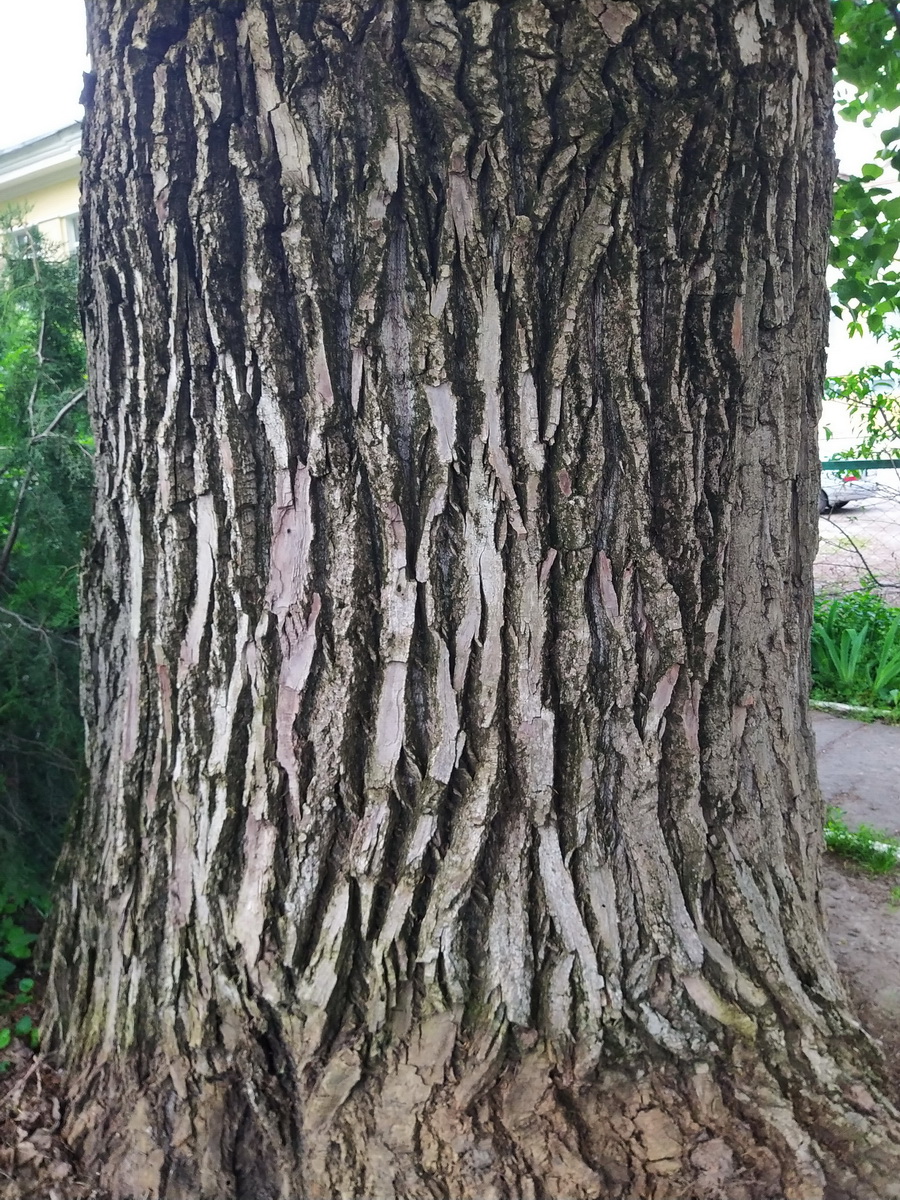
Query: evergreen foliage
{"type": "Point", "coordinates": [45, 482]}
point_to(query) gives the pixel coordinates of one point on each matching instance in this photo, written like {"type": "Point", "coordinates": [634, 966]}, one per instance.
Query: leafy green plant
{"type": "Point", "coordinates": [23, 903]}
{"type": "Point", "coordinates": [866, 228]}
{"type": "Point", "coordinates": [855, 650]}
{"type": "Point", "coordinates": [872, 394]}
{"type": "Point", "coordinates": [22, 909]}
{"type": "Point", "coordinates": [841, 660]}
{"type": "Point", "coordinates": [865, 231]}
{"type": "Point", "coordinates": [45, 483]}
{"type": "Point", "coordinates": [871, 848]}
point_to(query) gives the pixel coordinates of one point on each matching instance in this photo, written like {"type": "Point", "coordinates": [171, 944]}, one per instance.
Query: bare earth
{"type": "Point", "coordinates": [865, 936]}
{"type": "Point", "coordinates": [859, 771]}
{"type": "Point", "coordinates": [859, 768]}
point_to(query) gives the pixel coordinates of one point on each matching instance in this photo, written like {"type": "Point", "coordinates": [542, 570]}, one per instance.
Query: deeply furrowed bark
{"type": "Point", "coordinates": [453, 826]}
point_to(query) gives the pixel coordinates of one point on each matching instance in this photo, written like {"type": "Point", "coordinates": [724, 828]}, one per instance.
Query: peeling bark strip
{"type": "Point", "coordinates": [453, 827]}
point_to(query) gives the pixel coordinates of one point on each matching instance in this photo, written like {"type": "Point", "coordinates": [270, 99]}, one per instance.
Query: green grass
{"type": "Point", "coordinates": [873, 849]}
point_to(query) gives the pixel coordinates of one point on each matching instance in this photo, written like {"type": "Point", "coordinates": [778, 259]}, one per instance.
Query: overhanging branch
{"type": "Point", "coordinates": [60, 416]}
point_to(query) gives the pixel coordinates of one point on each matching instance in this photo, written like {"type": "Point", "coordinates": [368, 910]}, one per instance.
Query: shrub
{"type": "Point", "coordinates": [45, 485]}
{"type": "Point", "coordinates": [856, 650]}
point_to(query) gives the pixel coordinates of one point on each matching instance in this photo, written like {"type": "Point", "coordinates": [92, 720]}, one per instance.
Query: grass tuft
{"type": "Point", "coordinates": [878, 852]}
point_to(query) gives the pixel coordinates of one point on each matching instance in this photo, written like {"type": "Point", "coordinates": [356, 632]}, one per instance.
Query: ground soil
{"type": "Point", "coordinates": [859, 772]}
{"type": "Point", "coordinates": [864, 928]}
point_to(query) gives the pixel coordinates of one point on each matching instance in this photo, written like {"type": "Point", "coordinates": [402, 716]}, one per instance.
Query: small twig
{"type": "Point", "coordinates": [894, 10]}
{"type": "Point", "coordinates": [15, 523]}
{"type": "Point", "coordinates": [28, 747]}
{"type": "Point", "coordinates": [14, 1094]}
{"type": "Point", "coordinates": [39, 355]}
{"type": "Point", "coordinates": [882, 416]}
{"type": "Point", "coordinates": [40, 629]}
{"type": "Point", "coordinates": [862, 558]}
{"type": "Point", "coordinates": [12, 536]}
{"type": "Point", "coordinates": [61, 415]}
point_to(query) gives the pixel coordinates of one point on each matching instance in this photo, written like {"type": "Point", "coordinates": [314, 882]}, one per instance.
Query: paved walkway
{"type": "Point", "coordinates": [859, 769]}
{"type": "Point", "coordinates": [859, 772]}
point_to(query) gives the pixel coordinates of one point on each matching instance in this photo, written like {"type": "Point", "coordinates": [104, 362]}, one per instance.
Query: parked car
{"type": "Point", "coordinates": [838, 489]}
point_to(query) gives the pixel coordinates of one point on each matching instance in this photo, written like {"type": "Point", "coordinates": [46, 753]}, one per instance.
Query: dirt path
{"type": "Point", "coordinates": [864, 930]}
{"type": "Point", "coordinates": [859, 771]}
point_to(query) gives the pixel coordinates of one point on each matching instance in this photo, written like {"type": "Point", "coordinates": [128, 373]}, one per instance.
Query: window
{"type": "Point", "coordinates": [18, 241]}
{"type": "Point", "coordinates": [70, 225]}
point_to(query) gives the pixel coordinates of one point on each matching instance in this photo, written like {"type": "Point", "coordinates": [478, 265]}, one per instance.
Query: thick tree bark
{"type": "Point", "coordinates": [453, 826]}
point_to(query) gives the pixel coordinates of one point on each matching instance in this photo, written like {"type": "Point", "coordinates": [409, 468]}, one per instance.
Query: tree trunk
{"type": "Point", "coordinates": [453, 827]}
